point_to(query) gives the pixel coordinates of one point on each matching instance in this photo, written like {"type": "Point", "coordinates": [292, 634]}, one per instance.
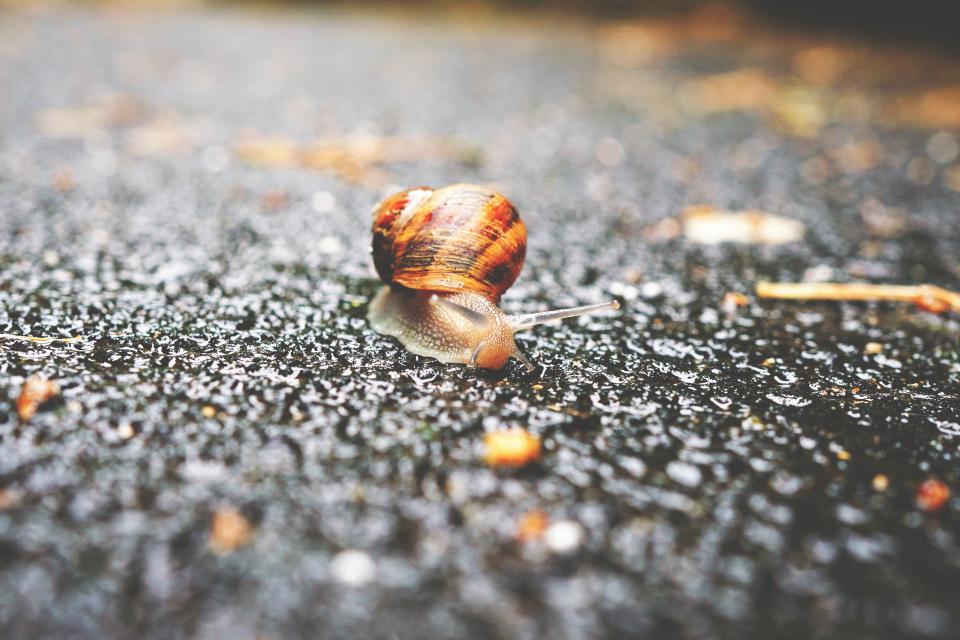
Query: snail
{"type": "Point", "coordinates": [446, 256]}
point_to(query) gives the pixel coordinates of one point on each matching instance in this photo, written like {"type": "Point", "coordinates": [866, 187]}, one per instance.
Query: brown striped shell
{"type": "Point", "coordinates": [461, 238]}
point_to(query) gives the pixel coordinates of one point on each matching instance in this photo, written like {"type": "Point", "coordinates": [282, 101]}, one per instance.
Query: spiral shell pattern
{"type": "Point", "coordinates": [461, 238]}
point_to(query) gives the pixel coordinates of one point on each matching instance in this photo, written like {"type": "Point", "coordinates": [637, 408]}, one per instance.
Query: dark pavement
{"type": "Point", "coordinates": [234, 454]}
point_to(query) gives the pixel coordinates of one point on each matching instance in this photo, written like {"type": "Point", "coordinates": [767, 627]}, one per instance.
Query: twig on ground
{"type": "Point", "coordinates": [10, 336]}
{"type": "Point", "coordinates": [926, 296]}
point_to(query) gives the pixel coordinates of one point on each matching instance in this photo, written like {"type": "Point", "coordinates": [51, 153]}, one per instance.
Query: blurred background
{"type": "Point", "coordinates": [924, 20]}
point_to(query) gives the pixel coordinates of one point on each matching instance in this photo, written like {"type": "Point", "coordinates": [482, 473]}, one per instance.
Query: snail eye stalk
{"type": "Point", "coordinates": [519, 323]}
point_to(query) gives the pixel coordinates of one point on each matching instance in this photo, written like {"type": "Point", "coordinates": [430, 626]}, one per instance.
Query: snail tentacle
{"type": "Point", "coordinates": [521, 322]}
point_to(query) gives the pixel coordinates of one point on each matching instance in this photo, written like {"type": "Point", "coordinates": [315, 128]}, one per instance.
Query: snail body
{"type": "Point", "coordinates": [446, 256]}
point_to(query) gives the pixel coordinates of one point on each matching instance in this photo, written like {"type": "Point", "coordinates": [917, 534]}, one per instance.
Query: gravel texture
{"type": "Point", "coordinates": [234, 454]}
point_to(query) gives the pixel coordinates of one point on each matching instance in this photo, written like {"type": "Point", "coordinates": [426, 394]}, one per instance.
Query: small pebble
{"type": "Point", "coordinates": [880, 482]}
{"type": "Point", "coordinates": [323, 201]}
{"type": "Point", "coordinates": [943, 147]}
{"type": "Point", "coordinates": [651, 290]}
{"type": "Point", "coordinates": [353, 567]}
{"type": "Point", "coordinates": [684, 473]}
{"type": "Point", "coordinates": [9, 498]}
{"type": "Point", "coordinates": [511, 448]}
{"type": "Point", "coordinates": [329, 245]}
{"type": "Point", "coordinates": [609, 152]}
{"type": "Point", "coordinates": [532, 526]}
{"type": "Point", "coordinates": [873, 348]}
{"type": "Point", "coordinates": [229, 531]}
{"type": "Point", "coordinates": [932, 495]}
{"type": "Point", "coordinates": [564, 537]}
{"type": "Point", "coordinates": [35, 392]}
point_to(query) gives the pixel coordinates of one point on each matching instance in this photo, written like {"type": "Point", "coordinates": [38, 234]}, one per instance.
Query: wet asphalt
{"type": "Point", "coordinates": [717, 470]}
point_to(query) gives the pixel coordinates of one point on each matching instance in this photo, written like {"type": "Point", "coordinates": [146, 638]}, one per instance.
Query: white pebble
{"type": "Point", "coordinates": [323, 201]}
{"type": "Point", "coordinates": [651, 290]}
{"type": "Point", "coordinates": [329, 245]}
{"type": "Point", "coordinates": [684, 473]}
{"type": "Point", "coordinates": [51, 258]}
{"type": "Point", "coordinates": [609, 152]}
{"type": "Point", "coordinates": [353, 567]}
{"type": "Point", "coordinates": [943, 147]}
{"type": "Point", "coordinates": [634, 466]}
{"type": "Point", "coordinates": [819, 273]}
{"type": "Point", "coordinates": [564, 537]}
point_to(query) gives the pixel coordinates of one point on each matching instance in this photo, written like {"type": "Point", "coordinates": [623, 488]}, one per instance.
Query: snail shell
{"type": "Point", "coordinates": [447, 255]}
{"type": "Point", "coordinates": [462, 238]}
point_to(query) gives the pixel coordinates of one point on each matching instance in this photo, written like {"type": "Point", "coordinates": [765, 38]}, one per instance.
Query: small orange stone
{"type": "Point", "coordinates": [9, 498]}
{"type": "Point", "coordinates": [274, 201]}
{"type": "Point", "coordinates": [735, 299]}
{"type": "Point", "coordinates": [732, 301]}
{"type": "Point", "coordinates": [532, 525]}
{"type": "Point", "coordinates": [229, 530]}
{"type": "Point", "coordinates": [932, 495]}
{"type": "Point", "coordinates": [64, 181]}
{"type": "Point", "coordinates": [511, 448]}
{"type": "Point", "coordinates": [880, 482]}
{"type": "Point", "coordinates": [873, 348]}
{"type": "Point", "coordinates": [35, 391]}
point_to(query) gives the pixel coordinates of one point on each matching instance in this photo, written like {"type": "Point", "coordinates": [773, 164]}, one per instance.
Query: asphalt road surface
{"type": "Point", "coordinates": [232, 453]}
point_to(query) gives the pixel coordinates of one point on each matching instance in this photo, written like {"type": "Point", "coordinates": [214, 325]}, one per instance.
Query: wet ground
{"type": "Point", "coordinates": [228, 426]}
